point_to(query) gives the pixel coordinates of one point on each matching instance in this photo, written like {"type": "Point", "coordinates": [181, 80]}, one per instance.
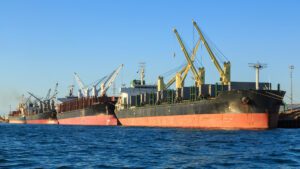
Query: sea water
{"type": "Point", "coordinates": [43, 146]}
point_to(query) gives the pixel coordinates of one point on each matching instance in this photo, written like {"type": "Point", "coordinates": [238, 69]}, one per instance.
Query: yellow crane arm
{"type": "Point", "coordinates": [186, 68]}
{"type": "Point", "coordinates": [211, 54]}
{"type": "Point", "coordinates": [190, 63]}
{"type": "Point", "coordinates": [173, 79]}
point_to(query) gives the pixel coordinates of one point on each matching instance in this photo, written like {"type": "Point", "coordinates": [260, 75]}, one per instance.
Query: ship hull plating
{"type": "Point", "coordinates": [95, 115]}
{"type": "Point", "coordinates": [40, 118]}
{"type": "Point", "coordinates": [247, 109]}
{"type": "Point", "coordinates": [239, 121]}
{"type": "Point", "coordinates": [17, 120]}
{"type": "Point", "coordinates": [96, 120]}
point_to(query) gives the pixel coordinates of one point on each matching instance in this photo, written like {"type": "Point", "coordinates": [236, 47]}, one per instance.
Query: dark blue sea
{"type": "Point", "coordinates": [38, 146]}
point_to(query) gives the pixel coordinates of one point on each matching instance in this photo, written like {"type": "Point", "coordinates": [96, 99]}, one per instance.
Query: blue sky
{"type": "Point", "coordinates": [44, 42]}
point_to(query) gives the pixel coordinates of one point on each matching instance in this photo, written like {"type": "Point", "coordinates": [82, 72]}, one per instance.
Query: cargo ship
{"type": "Point", "coordinates": [224, 105]}
{"type": "Point", "coordinates": [33, 115]}
{"type": "Point", "coordinates": [94, 111]}
{"type": "Point", "coordinates": [235, 109]}
{"type": "Point", "coordinates": [37, 111]}
{"type": "Point", "coordinates": [86, 109]}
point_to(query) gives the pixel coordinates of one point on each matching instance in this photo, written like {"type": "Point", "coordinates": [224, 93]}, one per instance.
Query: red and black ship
{"type": "Point", "coordinates": [237, 105]}
{"type": "Point", "coordinates": [89, 110]}
{"type": "Point", "coordinates": [235, 109]}
{"type": "Point", "coordinates": [33, 115]}
{"type": "Point", "coordinates": [39, 111]}
{"type": "Point", "coordinates": [94, 111]}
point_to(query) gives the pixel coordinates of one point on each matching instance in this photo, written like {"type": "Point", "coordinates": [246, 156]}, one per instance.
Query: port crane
{"type": "Point", "coordinates": [224, 72]}
{"type": "Point", "coordinates": [110, 79]}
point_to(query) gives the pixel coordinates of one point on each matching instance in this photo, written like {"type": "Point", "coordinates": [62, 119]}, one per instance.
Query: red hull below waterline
{"type": "Point", "coordinates": [97, 120]}
{"type": "Point", "coordinates": [222, 121]}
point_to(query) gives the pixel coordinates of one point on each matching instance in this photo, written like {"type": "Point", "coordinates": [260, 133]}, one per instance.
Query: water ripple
{"type": "Point", "coordinates": [64, 147]}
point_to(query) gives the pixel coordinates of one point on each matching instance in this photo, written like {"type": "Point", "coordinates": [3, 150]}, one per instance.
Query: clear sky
{"type": "Point", "coordinates": [44, 42]}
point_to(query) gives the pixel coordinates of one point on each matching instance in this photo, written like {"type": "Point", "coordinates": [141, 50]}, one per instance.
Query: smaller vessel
{"type": "Point", "coordinates": [97, 111]}
{"type": "Point", "coordinates": [86, 109]}
{"type": "Point", "coordinates": [38, 111]}
{"type": "Point", "coordinates": [290, 118]}
{"type": "Point", "coordinates": [33, 115]}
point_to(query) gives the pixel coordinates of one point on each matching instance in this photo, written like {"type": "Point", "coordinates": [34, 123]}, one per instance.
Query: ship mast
{"type": "Point", "coordinates": [257, 66]}
{"type": "Point", "coordinates": [291, 71]}
{"type": "Point", "coordinates": [142, 72]}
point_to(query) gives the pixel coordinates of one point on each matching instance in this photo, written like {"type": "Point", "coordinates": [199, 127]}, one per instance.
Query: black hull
{"type": "Point", "coordinates": [249, 102]}
{"type": "Point", "coordinates": [105, 109]}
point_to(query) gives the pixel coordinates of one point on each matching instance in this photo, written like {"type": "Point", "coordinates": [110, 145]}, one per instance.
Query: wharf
{"type": "Point", "coordinates": [289, 118]}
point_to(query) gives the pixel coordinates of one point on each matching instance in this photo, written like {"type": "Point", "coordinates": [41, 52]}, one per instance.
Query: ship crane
{"type": "Point", "coordinates": [95, 91]}
{"type": "Point", "coordinates": [224, 73]}
{"type": "Point", "coordinates": [190, 65]}
{"type": "Point", "coordinates": [111, 78]}
{"type": "Point", "coordinates": [186, 68]}
{"type": "Point", "coordinates": [34, 96]}
{"type": "Point", "coordinates": [24, 104]}
{"type": "Point", "coordinates": [48, 94]}
{"type": "Point", "coordinates": [83, 90]}
{"type": "Point", "coordinates": [55, 91]}
{"type": "Point", "coordinates": [184, 71]}
{"type": "Point", "coordinates": [48, 98]}
{"type": "Point", "coordinates": [39, 100]}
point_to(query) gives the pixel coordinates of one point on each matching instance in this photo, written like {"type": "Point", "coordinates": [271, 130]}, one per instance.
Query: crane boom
{"type": "Point", "coordinates": [55, 92]}
{"type": "Point", "coordinates": [99, 81]}
{"type": "Point", "coordinates": [48, 94]}
{"type": "Point", "coordinates": [81, 85]}
{"type": "Point", "coordinates": [171, 81]}
{"type": "Point", "coordinates": [190, 63]}
{"type": "Point", "coordinates": [79, 82]}
{"type": "Point", "coordinates": [110, 80]}
{"type": "Point", "coordinates": [95, 91]}
{"type": "Point", "coordinates": [187, 68]}
{"type": "Point", "coordinates": [224, 74]}
{"type": "Point", "coordinates": [40, 100]}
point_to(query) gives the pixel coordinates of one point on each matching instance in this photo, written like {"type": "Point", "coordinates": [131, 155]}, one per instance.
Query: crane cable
{"type": "Point", "coordinates": [215, 49]}
{"type": "Point", "coordinates": [172, 71]}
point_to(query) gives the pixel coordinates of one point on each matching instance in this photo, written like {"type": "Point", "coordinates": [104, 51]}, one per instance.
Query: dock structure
{"type": "Point", "coordinates": [290, 118]}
